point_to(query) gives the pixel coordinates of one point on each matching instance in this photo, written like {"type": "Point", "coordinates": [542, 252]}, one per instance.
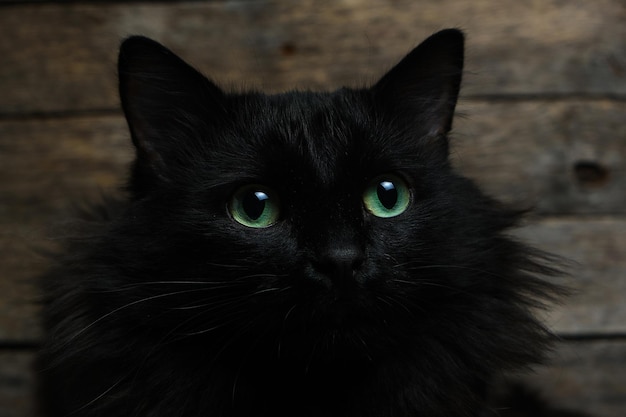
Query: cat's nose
{"type": "Point", "coordinates": [340, 264]}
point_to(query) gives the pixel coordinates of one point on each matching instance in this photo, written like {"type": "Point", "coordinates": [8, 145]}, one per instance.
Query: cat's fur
{"type": "Point", "coordinates": [167, 306]}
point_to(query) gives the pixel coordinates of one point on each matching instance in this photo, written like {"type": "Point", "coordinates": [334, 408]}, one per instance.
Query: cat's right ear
{"type": "Point", "coordinates": [164, 100]}
{"type": "Point", "coordinates": [424, 85]}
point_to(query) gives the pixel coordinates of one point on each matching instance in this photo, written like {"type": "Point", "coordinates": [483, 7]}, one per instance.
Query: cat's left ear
{"type": "Point", "coordinates": [165, 101]}
{"type": "Point", "coordinates": [425, 85]}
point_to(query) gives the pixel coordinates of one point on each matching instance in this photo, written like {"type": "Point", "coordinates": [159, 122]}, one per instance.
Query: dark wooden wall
{"type": "Point", "coordinates": [544, 123]}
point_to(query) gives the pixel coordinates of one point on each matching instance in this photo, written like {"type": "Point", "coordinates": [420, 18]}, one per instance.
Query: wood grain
{"type": "Point", "coordinates": [61, 57]}
{"type": "Point", "coordinates": [46, 163]}
{"type": "Point", "coordinates": [17, 383]}
{"type": "Point", "coordinates": [595, 247]}
{"type": "Point", "coordinates": [585, 376]}
{"type": "Point", "coordinates": [47, 168]}
{"type": "Point", "coordinates": [560, 157]}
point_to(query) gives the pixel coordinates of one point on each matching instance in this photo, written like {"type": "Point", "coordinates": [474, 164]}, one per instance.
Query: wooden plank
{"type": "Point", "coordinates": [17, 381]}
{"type": "Point", "coordinates": [597, 247]}
{"type": "Point", "coordinates": [61, 57]}
{"type": "Point", "coordinates": [19, 267]}
{"type": "Point", "coordinates": [560, 157]}
{"type": "Point", "coordinates": [46, 167]}
{"type": "Point", "coordinates": [585, 376]}
{"type": "Point", "coordinates": [46, 163]}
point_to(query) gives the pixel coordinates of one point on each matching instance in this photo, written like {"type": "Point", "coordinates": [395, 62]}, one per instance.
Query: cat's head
{"type": "Point", "coordinates": [312, 223]}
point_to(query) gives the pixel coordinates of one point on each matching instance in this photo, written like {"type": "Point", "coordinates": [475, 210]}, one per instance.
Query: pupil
{"type": "Point", "coordinates": [254, 204]}
{"type": "Point", "coordinates": [387, 194]}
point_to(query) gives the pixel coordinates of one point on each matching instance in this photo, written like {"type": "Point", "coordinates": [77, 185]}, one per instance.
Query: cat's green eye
{"type": "Point", "coordinates": [387, 196]}
{"type": "Point", "coordinates": [254, 206]}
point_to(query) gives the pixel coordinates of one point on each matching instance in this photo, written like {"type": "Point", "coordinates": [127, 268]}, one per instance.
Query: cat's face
{"type": "Point", "coordinates": [308, 222]}
{"type": "Point", "coordinates": [322, 210]}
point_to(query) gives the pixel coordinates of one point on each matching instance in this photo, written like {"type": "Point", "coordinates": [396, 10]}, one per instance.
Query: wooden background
{"type": "Point", "coordinates": [544, 105]}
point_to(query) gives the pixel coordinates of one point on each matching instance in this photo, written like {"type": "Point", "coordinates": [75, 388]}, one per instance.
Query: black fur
{"type": "Point", "coordinates": [169, 307]}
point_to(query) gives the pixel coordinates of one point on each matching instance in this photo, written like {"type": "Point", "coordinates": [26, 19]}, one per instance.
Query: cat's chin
{"type": "Point", "coordinates": [346, 324]}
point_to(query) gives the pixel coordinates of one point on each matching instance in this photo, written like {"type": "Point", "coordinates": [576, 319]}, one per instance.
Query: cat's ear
{"type": "Point", "coordinates": [164, 99]}
{"type": "Point", "coordinates": [425, 84]}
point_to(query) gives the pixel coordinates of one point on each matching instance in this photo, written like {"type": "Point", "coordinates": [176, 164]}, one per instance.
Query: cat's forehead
{"type": "Point", "coordinates": [310, 115]}
{"type": "Point", "coordinates": [321, 132]}
{"type": "Point", "coordinates": [315, 139]}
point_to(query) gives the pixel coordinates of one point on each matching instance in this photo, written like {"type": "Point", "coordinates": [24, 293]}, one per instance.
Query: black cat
{"type": "Point", "coordinates": [293, 255]}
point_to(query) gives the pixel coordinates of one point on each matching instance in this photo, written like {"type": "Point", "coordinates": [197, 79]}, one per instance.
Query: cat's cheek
{"type": "Point", "coordinates": [267, 249]}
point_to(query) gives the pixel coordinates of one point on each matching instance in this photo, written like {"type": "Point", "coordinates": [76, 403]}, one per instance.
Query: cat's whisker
{"type": "Point", "coordinates": [224, 300]}
{"type": "Point", "coordinates": [216, 302]}
{"type": "Point", "coordinates": [205, 331]}
{"type": "Point", "coordinates": [314, 348]}
{"type": "Point", "coordinates": [224, 306]}
{"type": "Point", "coordinates": [232, 315]}
{"type": "Point", "coordinates": [266, 290]}
{"type": "Point", "coordinates": [367, 349]}
{"type": "Point", "coordinates": [266, 275]}
{"type": "Point", "coordinates": [97, 398]}
{"type": "Point", "coordinates": [190, 307]}
{"type": "Point", "coordinates": [180, 336]}
{"type": "Point", "coordinates": [208, 286]}
{"type": "Point", "coordinates": [402, 306]}
{"type": "Point", "coordinates": [286, 318]}
{"type": "Point", "coordinates": [226, 344]}
{"type": "Point", "coordinates": [383, 300]}
{"type": "Point", "coordinates": [236, 281]}
{"type": "Point", "coordinates": [126, 306]}
{"type": "Point", "coordinates": [244, 359]}
{"type": "Point", "coordinates": [210, 301]}
{"type": "Point", "coordinates": [444, 266]}
{"type": "Point", "coordinates": [283, 329]}
{"type": "Point", "coordinates": [421, 283]}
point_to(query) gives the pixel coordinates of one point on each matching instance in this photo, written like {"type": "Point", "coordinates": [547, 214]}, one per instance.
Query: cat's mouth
{"type": "Point", "coordinates": [347, 302]}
